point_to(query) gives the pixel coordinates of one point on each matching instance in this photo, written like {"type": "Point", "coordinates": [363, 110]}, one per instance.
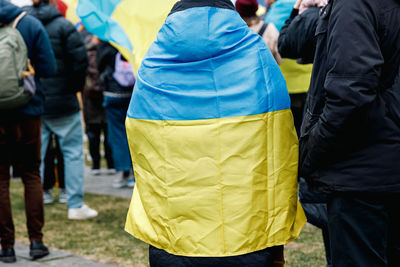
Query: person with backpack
{"type": "Point", "coordinates": [22, 37]}
{"type": "Point", "coordinates": [62, 114]}
{"type": "Point", "coordinates": [350, 136]}
{"type": "Point", "coordinates": [117, 80]}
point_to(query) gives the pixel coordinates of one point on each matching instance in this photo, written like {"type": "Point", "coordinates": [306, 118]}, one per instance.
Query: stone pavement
{"type": "Point", "coordinates": [101, 185]}
{"type": "Point", "coordinates": [56, 258]}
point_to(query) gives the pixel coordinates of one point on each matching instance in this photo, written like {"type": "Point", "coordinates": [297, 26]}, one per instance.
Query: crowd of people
{"type": "Point", "coordinates": [212, 132]}
{"type": "Point", "coordinates": [42, 135]}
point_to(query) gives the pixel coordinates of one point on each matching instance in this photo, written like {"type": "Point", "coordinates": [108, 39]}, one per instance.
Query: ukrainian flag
{"type": "Point", "coordinates": [212, 140]}
{"type": "Point", "coordinates": [130, 25]}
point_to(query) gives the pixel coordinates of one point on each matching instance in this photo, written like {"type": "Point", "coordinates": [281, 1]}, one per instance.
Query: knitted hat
{"type": "Point", "coordinates": [246, 8]}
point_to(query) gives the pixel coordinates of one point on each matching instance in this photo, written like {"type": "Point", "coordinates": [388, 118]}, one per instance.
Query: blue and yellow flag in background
{"type": "Point", "coordinates": [212, 140]}
{"type": "Point", "coordinates": [297, 76]}
{"type": "Point", "coordinates": [130, 25]}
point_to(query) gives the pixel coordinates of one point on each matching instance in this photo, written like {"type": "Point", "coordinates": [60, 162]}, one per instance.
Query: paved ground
{"type": "Point", "coordinates": [101, 185]}
{"type": "Point", "coordinates": [57, 258]}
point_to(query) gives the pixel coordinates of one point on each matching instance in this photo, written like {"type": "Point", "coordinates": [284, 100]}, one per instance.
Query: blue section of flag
{"type": "Point", "coordinates": [96, 16]}
{"type": "Point", "coordinates": [279, 12]}
{"type": "Point", "coordinates": [218, 69]}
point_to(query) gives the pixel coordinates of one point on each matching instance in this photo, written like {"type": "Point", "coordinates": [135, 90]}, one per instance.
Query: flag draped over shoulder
{"type": "Point", "coordinates": [212, 140]}
{"type": "Point", "coordinates": [130, 25]}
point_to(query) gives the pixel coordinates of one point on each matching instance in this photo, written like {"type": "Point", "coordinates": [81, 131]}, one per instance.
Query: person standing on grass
{"type": "Point", "coordinates": [20, 137]}
{"type": "Point", "coordinates": [53, 172]}
{"type": "Point", "coordinates": [213, 144]}
{"type": "Point", "coordinates": [350, 136]}
{"type": "Point", "coordinates": [62, 114]}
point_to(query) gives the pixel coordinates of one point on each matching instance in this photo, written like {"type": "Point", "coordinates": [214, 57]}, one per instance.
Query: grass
{"type": "Point", "coordinates": [103, 238]}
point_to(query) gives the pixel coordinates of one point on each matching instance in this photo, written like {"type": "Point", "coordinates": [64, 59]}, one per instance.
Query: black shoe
{"type": "Point", "coordinates": [38, 250]}
{"type": "Point", "coordinates": [8, 255]}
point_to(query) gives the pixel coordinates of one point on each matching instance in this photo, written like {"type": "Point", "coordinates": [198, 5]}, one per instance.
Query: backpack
{"type": "Point", "coordinates": [123, 72]}
{"type": "Point", "coordinates": [16, 73]}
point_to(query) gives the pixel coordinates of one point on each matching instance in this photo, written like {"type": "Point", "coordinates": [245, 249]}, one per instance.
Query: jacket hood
{"type": "Point", "coordinates": [8, 12]}
{"type": "Point", "coordinates": [45, 13]}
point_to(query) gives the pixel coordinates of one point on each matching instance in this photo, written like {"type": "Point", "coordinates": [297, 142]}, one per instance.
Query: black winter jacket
{"type": "Point", "coordinates": [297, 37]}
{"type": "Point", "coordinates": [69, 49]}
{"type": "Point", "coordinates": [350, 136]}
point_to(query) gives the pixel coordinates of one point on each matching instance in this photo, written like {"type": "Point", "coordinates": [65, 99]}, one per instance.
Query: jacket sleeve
{"type": "Point", "coordinates": [297, 36]}
{"type": "Point", "coordinates": [76, 57]}
{"type": "Point", "coordinates": [105, 55]}
{"type": "Point", "coordinates": [43, 58]}
{"type": "Point", "coordinates": [354, 69]}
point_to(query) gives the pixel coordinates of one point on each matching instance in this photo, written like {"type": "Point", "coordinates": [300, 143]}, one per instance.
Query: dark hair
{"type": "Point", "coordinates": [38, 2]}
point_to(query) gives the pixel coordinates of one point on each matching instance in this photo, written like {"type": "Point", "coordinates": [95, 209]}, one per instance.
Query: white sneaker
{"type": "Point", "coordinates": [81, 213]}
{"type": "Point", "coordinates": [47, 197]}
{"type": "Point", "coordinates": [120, 183]}
{"type": "Point", "coordinates": [63, 196]}
{"type": "Point", "coordinates": [111, 171]}
{"type": "Point", "coordinates": [95, 172]}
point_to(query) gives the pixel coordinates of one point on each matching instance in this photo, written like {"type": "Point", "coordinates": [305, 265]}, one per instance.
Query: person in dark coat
{"type": "Point", "coordinates": [297, 37]}
{"type": "Point", "coordinates": [117, 89]}
{"type": "Point", "coordinates": [62, 114]}
{"type": "Point", "coordinates": [93, 110]}
{"type": "Point", "coordinates": [297, 41]}
{"type": "Point", "coordinates": [20, 139]}
{"type": "Point", "coordinates": [350, 136]}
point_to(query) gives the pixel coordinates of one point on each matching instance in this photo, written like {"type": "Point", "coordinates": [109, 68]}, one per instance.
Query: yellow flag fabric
{"type": "Point", "coordinates": [71, 11]}
{"type": "Point", "coordinates": [219, 187]}
{"type": "Point", "coordinates": [297, 76]}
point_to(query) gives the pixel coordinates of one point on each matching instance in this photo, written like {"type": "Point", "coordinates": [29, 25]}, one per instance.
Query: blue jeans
{"type": "Point", "coordinates": [116, 109]}
{"type": "Point", "coordinates": [68, 130]}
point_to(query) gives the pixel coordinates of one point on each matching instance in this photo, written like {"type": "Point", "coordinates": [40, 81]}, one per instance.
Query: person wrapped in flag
{"type": "Point", "coordinates": [213, 144]}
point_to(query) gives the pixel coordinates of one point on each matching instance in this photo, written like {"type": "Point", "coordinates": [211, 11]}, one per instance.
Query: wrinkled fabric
{"type": "Point", "coordinates": [212, 140]}
{"type": "Point", "coordinates": [130, 25]}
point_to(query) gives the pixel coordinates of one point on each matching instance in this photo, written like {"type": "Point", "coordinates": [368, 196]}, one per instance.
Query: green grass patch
{"type": "Point", "coordinates": [103, 238]}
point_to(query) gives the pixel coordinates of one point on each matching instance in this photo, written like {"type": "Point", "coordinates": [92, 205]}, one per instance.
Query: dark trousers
{"type": "Point", "coordinates": [20, 144]}
{"type": "Point", "coordinates": [314, 205]}
{"type": "Point", "coordinates": [53, 165]}
{"type": "Point", "coordinates": [269, 257]}
{"type": "Point", "coordinates": [93, 131]}
{"type": "Point", "coordinates": [297, 106]}
{"type": "Point", "coordinates": [364, 229]}
{"type": "Point", "coordinates": [315, 208]}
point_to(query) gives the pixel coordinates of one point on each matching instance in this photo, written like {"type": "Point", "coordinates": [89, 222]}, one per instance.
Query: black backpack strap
{"type": "Point", "coordinates": [262, 30]}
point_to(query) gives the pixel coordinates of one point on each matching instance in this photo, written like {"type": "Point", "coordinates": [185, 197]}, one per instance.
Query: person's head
{"type": "Point", "coordinates": [269, 2]}
{"type": "Point", "coordinates": [247, 8]}
{"type": "Point", "coordinates": [38, 2]}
